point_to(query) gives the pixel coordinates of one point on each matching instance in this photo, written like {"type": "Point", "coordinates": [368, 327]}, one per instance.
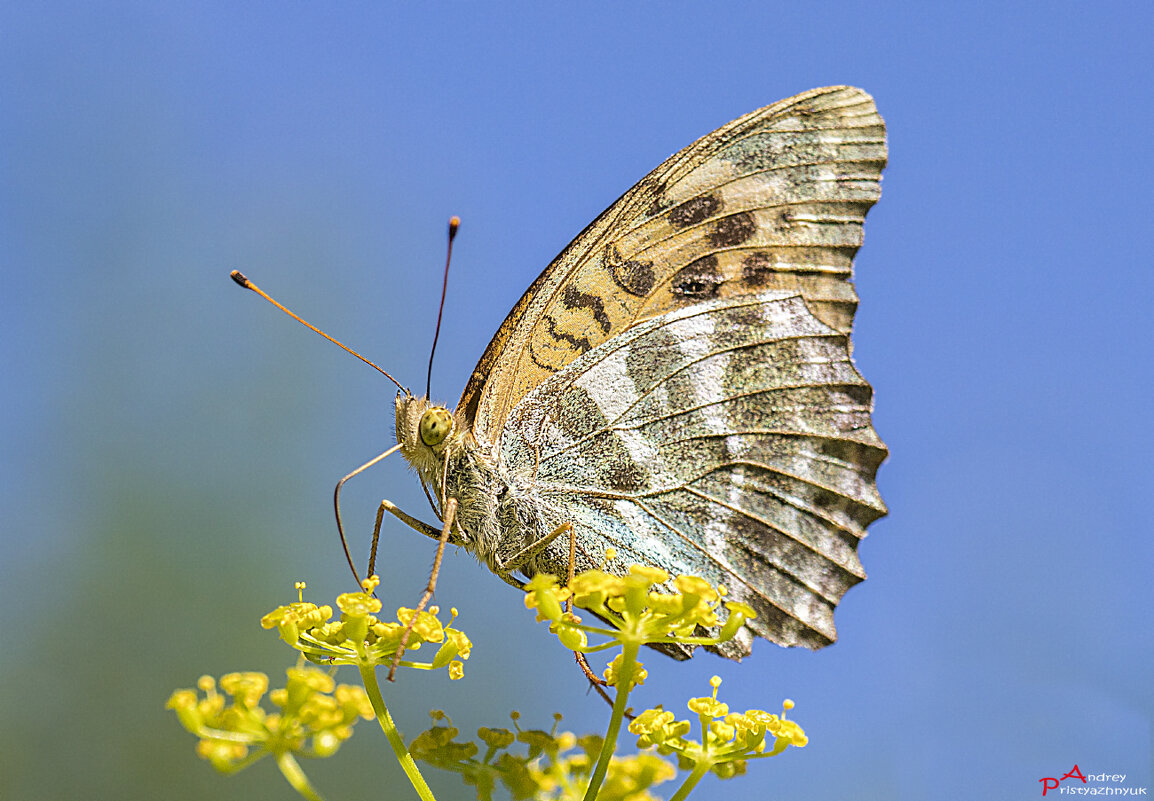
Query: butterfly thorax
{"type": "Point", "coordinates": [495, 517]}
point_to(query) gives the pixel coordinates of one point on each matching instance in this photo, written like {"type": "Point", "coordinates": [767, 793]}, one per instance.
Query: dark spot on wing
{"type": "Point", "coordinates": [857, 394]}
{"type": "Point", "coordinates": [744, 316]}
{"type": "Point", "coordinates": [699, 279]}
{"type": "Point", "coordinates": [824, 499]}
{"type": "Point", "coordinates": [694, 210]}
{"type": "Point", "coordinates": [621, 473]}
{"type": "Point", "coordinates": [578, 414]}
{"type": "Point", "coordinates": [658, 204]}
{"type": "Point", "coordinates": [838, 449]}
{"type": "Point", "coordinates": [582, 344]}
{"type": "Point", "coordinates": [579, 344]}
{"type": "Point", "coordinates": [648, 362]}
{"type": "Point", "coordinates": [756, 269]}
{"type": "Point", "coordinates": [635, 277]}
{"type": "Point", "coordinates": [573, 298]}
{"type": "Point", "coordinates": [732, 230]}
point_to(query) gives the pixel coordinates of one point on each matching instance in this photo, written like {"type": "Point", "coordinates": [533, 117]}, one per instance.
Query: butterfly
{"type": "Point", "coordinates": [677, 384]}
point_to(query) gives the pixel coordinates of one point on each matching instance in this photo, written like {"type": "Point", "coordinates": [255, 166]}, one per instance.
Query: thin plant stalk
{"type": "Point", "coordinates": [295, 776]}
{"type": "Point", "coordinates": [625, 676]}
{"type": "Point", "coordinates": [699, 771]}
{"type": "Point", "coordinates": [408, 765]}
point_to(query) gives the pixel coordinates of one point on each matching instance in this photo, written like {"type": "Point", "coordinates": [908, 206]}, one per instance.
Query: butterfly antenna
{"type": "Point", "coordinates": [454, 224]}
{"type": "Point", "coordinates": [240, 278]}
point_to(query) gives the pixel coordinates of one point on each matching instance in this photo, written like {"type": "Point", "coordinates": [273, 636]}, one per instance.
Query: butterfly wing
{"type": "Point", "coordinates": [730, 440]}
{"type": "Point", "coordinates": [773, 200]}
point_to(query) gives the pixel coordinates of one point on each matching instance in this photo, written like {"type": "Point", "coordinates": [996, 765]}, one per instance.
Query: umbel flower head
{"type": "Point", "coordinates": [636, 609]}
{"type": "Point", "coordinates": [728, 738]}
{"type": "Point", "coordinates": [547, 765]}
{"type": "Point", "coordinates": [360, 638]}
{"type": "Point", "coordinates": [315, 715]}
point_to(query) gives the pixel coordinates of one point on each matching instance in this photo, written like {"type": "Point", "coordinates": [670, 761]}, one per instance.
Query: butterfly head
{"type": "Point", "coordinates": [425, 431]}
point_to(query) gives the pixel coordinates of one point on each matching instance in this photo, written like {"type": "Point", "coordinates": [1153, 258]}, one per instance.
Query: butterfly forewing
{"type": "Point", "coordinates": [729, 440]}
{"type": "Point", "coordinates": [774, 200]}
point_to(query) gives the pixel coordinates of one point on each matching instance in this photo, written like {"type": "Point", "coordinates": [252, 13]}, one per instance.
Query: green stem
{"type": "Point", "coordinates": [237, 767]}
{"type": "Point", "coordinates": [624, 678]}
{"type": "Point", "coordinates": [699, 771]}
{"type": "Point", "coordinates": [408, 765]}
{"type": "Point", "coordinates": [296, 777]}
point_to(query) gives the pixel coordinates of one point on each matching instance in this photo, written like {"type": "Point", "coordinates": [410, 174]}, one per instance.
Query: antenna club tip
{"type": "Point", "coordinates": [239, 277]}
{"type": "Point", "coordinates": [454, 224]}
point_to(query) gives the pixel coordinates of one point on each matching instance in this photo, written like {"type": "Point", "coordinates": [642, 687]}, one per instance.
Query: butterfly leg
{"type": "Point", "coordinates": [595, 681]}
{"type": "Point", "coordinates": [408, 520]}
{"type": "Point", "coordinates": [528, 553]}
{"type": "Point", "coordinates": [428, 531]}
{"type": "Point", "coordinates": [517, 560]}
{"type": "Point", "coordinates": [417, 525]}
{"type": "Point", "coordinates": [450, 511]}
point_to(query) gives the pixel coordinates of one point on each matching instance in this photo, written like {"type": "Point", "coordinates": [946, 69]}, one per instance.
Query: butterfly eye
{"type": "Point", "coordinates": [436, 423]}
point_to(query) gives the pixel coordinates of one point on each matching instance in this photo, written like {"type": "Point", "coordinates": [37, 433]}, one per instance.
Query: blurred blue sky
{"type": "Point", "coordinates": [169, 443]}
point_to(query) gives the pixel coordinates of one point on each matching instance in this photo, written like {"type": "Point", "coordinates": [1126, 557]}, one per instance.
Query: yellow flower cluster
{"type": "Point", "coordinates": [628, 778]}
{"type": "Point", "coordinates": [315, 716]}
{"type": "Point", "coordinates": [360, 638]}
{"type": "Point", "coordinates": [639, 610]}
{"type": "Point", "coordinates": [728, 738]}
{"type": "Point", "coordinates": [612, 673]}
{"type": "Point", "coordinates": [549, 770]}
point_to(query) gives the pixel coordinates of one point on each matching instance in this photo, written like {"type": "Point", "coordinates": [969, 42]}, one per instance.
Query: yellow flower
{"type": "Point", "coordinates": [359, 638]}
{"type": "Point", "coordinates": [233, 735]}
{"type": "Point", "coordinates": [637, 608]}
{"type": "Point", "coordinates": [728, 739]}
{"type": "Point", "coordinates": [613, 672]}
{"type": "Point", "coordinates": [358, 603]}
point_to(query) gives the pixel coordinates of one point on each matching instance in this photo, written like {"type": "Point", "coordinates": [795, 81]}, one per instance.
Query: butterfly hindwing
{"type": "Point", "coordinates": [772, 201]}
{"type": "Point", "coordinates": [730, 439]}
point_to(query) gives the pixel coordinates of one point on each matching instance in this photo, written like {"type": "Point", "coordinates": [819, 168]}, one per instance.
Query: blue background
{"type": "Point", "coordinates": [169, 442]}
